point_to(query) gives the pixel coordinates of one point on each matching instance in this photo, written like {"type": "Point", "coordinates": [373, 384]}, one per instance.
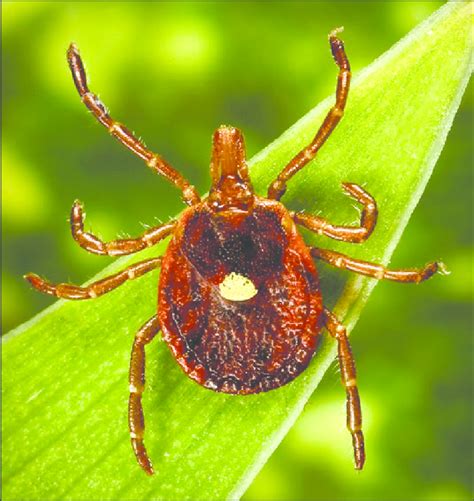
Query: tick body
{"type": "Point", "coordinates": [232, 345]}
{"type": "Point", "coordinates": [239, 303]}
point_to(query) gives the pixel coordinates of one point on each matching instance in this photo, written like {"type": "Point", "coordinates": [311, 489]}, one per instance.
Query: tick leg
{"type": "Point", "coordinates": [119, 131]}
{"type": "Point", "coordinates": [136, 421]}
{"type": "Point", "coordinates": [119, 247]}
{"type": "Point", "coordinates": [349, 380]}
{"type": "Point", "coordinates": [377, 270]}
{"type": "Point", "coordinates": [357, 234]}
{"type": "Point", "coordinates": [278, 187]}
{"type": "Point", "coordinates": [68, 291]}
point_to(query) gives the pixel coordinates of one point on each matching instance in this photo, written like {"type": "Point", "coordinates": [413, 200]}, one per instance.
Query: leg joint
{"type": "Point", "coordinates": [136, 389]}
{"type": "Point", "coordinates": [350, 383]}
{"type": "Point", "coordinates": [340, 330]}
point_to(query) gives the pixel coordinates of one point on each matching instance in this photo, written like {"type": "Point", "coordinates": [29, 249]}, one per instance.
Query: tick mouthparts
{"type": "Point", "coordinates": [228, 154]}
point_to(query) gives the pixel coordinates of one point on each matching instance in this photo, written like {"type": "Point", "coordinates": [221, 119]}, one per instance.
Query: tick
{"type": "Point", "coordinates": [239, 302]}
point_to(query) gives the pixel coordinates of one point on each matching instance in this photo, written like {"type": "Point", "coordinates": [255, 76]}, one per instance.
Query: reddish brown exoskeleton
{"type": "Point", "coordinates": [239, 301]}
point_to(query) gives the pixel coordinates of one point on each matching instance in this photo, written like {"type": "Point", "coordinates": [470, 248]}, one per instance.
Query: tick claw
{"type": "Point", "coordinates": [73, 48]}
{"type": "Point", "coordinates": [33, 279]}
{"type": "Point", "coordinates": [150, 471]}
{"type": "Point", "coordinates": [335, 32]}
{"type": "Point", "coordinates": [443, 269]}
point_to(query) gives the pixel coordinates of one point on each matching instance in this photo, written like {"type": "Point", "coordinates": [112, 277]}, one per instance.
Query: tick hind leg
{"type": "Point", "coordinates": [68, 291]}
{"type": "Point", "coordinates": [368, 219]}
{"type": "Point", "coordinates": [378, 271]}
{"type": "Point", "coordinates": [278, 187]}
{"type": "Point", "coordinates": [348, 377]}
{"type": "Point", "coordinates": [136, 421]}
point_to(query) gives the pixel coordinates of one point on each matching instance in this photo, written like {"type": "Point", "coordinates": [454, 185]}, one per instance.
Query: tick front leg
{"type": "Point", "coordinates": [119, 247]}
{"type": "Point", "coordinates": [349, 380]}
{"type": "Point", "coordinates": [358, 234]}
{"type": "Point", "coordinates": [136, 421]}
{"type": "Point", "coordinates": [120, 132]}
{"type": "Point", "coordinates": [278, 187]}
{"type": "Point", "coordinates": [68, 291]}
{"type": "Point", "coordinates": [377, 270]}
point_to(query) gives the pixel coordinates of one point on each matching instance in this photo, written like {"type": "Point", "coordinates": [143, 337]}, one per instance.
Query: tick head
{"type": "Point", "coordinates": [231, 190]}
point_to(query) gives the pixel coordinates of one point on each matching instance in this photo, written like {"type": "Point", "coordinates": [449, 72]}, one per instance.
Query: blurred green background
{"type": "Point", "coordinates": [173, 72]}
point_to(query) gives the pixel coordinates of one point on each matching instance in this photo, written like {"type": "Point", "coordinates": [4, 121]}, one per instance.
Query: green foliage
{"type": "Point", "coordinates": [65, 371]}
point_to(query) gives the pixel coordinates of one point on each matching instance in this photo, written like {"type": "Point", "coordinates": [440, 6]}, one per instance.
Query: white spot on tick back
{"type": "Point", "coordinates": [236, 287]}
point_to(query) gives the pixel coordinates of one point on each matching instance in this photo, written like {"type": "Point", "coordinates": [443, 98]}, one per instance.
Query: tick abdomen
{"type": "Point", "coordinates": [230, 343]}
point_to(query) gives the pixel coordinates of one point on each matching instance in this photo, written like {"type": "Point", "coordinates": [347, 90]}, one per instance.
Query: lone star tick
{"type": "Point", "coordinates": [239, 303]}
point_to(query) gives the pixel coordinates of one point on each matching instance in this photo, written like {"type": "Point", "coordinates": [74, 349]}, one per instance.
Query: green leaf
{"type": "Point", "coordinates": [65, 386]}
